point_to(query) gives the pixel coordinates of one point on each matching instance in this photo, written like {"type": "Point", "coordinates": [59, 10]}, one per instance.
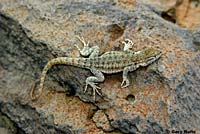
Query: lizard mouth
{"type": "Point", "coordinates": [152, 59]}
{"type": "Point", "coordinates": [158, 55]}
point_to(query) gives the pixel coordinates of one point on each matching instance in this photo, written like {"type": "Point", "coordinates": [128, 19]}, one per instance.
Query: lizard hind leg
{"type": "Point", "coordinates": [93, 80]}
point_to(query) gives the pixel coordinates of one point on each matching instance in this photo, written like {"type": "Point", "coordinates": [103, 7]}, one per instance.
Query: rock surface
{"type": "Point", "coordinates": [161, 98]}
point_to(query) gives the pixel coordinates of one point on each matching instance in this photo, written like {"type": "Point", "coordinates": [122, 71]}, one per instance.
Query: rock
{"type": "Point", "coordinates": [102, 121]}
{"type": "Point", "coordinates": [196, 37]}
{"type": "Point", "coordinates": [161, 98]}
{"type": "Point", "coordinates": [6, 125]}
{"type": "Point", "coordinates": [184, 100]}
{"type": "Point", "coordinates": [28, 120]}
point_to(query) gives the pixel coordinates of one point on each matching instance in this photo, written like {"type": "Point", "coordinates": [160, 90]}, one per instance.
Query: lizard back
{"type": "Point", "coordinates": [110, 62]}
{"type": "Point", "coordinates": [116, 61]}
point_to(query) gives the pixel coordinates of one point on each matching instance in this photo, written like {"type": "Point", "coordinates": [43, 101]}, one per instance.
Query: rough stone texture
{"type": "Point", "coordinates": [102, 121]}
{"type": "Point", "coordinates": [185, 13]}
{"type": "Point", "coordinates": [196, 38]}
{"type": "Point", "coordinates": [161, 97]}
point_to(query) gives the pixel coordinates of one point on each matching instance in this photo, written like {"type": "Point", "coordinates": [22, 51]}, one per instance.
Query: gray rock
{"type": "Point", "coordinates": [162, 97]}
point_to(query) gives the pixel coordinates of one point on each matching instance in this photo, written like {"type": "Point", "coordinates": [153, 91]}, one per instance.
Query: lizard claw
{"type": "Point", "coordinates": [77, 47]}
{"type": "Point", "coordinates": [125, 83]}
{"type": "Point", "coordinates": [95, 89]}
{"type": "Point", "coordinates": [83, 41]}
{"type": "Point", "coordinates": [127, 44]}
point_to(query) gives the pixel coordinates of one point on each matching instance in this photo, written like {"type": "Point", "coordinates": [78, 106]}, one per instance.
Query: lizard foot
{"type": "Point", "coordinates": [94, 87]}
{"type": "Point", "coordinates": [125, 83]}
{"type": "Point", "coordinates": [127, 44]}
{"type": "Point", "coordinates": [86, 50]}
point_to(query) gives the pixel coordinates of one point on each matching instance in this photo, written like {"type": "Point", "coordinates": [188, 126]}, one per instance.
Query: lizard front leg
{"type": "Point", "coordinates": [125, 75]}
{"type": "Point", "coordinates": [93, 80]}
{"type": "Point", "coordinates": [87, 51]}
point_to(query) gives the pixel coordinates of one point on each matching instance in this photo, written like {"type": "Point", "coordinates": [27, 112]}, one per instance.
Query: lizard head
{"type": "Point", "coordinates": [149, 55]}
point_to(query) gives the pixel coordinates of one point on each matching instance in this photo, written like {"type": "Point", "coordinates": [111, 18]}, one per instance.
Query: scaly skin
{"type": "Point", "coordinates": [110, 62]}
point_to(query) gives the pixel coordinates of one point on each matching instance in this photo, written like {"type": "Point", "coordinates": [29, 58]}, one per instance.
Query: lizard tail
{"type": "Point", "coordinates": [60, 60]}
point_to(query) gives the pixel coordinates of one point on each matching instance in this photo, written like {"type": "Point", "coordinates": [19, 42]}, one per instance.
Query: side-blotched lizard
{"type": "Point", "coordinates": [109, 62]}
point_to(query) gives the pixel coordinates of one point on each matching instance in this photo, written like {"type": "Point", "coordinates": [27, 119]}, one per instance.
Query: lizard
{"type": "Point", "coordinates": [108, 63]}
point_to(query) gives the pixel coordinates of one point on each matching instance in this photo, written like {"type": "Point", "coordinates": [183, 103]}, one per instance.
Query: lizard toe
{"type": "Point", "coordinates": [125, 83]}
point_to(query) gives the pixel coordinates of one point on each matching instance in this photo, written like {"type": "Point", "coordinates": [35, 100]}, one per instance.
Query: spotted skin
{"type": "Point", "coordinates": [109, 63]}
